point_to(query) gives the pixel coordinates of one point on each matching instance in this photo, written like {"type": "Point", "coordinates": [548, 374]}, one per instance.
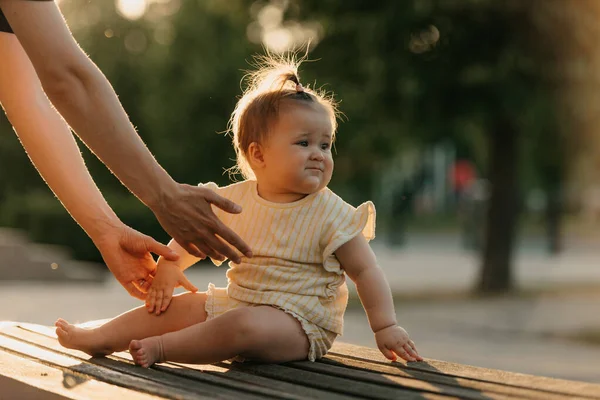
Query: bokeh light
{"type": "Point", "coordinates": [274, 29]}
{"type": "Point", "coordinates": [132, 9]}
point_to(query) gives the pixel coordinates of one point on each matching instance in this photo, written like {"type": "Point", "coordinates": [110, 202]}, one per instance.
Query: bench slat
{"type": "Point", "coordinates": [23, 378]}
{"type": "Point", "coordinates": [300, 391]}
{"type": "Point", "coordinates": [445, 383]}
{"type": "Point", "coordinates": [202, 383]}
{"type": "Point", "coordinates": [339, 369]}
{"type": "Point", "coordinates": [559, 386]}
{"type": "Point", "coordinates": [221, 377]}
{"type": "Point", "coordinates": [333, 383]}
{"type": "Point", "coordinates": [82, 369]}
{"type": "Point", "coordinates": [33, 363]}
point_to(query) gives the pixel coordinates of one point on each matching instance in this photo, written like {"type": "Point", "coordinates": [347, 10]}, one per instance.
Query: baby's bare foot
{"type": "Point", "coordinates": [87, 340]}
{"type": "Point", "coordinates": [147, 351]}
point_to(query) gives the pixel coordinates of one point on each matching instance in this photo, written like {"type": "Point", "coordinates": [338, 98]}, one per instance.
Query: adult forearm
{"type": "Point", "coordinates": [43, 132]}
{"type": "Point", "coordinates": [376, 297]}
{"type": "Point", "coordinates": [89, 104]}
{"type": "Point", "coordinates": [49, 142]}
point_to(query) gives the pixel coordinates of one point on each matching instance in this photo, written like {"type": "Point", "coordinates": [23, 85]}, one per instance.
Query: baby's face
{"type": "Point", "coordinates": [298, 151]}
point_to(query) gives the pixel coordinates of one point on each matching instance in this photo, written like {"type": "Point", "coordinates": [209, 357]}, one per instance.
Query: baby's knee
{"type": "Point", "coordinates": [192, 304]}
{"type": "Point", "coordinates": [244, 329]}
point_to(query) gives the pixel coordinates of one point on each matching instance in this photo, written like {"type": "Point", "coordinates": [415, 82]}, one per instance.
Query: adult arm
{"type": "Point", "coordinates": [85, 98]}
{"type": "Point", "coordinates": [53, 150]}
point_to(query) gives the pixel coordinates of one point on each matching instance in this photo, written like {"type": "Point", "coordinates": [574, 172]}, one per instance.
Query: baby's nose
{"type": "Point", "coordinates": [317, 155]}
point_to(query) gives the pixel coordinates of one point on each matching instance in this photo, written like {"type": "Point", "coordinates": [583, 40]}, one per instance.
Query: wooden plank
{"type": "Point", "coordinates": [90, 371]}
{"type": "Point", "coordinates": [171, 374]}
{"type": "Point", "coordinates": [248, 381]}
{"type": "Point", "coordinates": [201, 383]}
{"type": "Point", "coordinates": [300, 391]}
{"type": "Point", "coordinates": [517, 380]}
{"type": "Point", "coordinates": [333, 383]}
{"type": "Point", "coordinates": [26, 379]}
{"type": "Point", "coordinates": [446, 384]}
{"type": "Point", "coordinates": [14, 389]}
{"type": "Point", "coordinates": [325, 368]}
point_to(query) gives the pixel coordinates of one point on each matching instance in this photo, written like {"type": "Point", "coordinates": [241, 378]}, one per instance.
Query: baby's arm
{"type": "Point", "coordinates": [169, 275]}
{"type": "Point", "coordinates": [358, 260]}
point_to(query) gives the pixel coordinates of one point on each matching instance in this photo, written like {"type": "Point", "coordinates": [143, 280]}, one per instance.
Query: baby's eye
{"type": "Point", "coordinates": [303, 143]}
{"type": "Point", "coordinates": [325, 146]}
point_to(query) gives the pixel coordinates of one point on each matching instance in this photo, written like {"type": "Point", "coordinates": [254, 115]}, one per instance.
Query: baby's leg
{"type": "Point", "coordinates": [263, 333]}
{"type": "Point", "coordinates": [185, 310]}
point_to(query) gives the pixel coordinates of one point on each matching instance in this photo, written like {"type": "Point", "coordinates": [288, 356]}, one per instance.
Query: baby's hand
{"type": "Point", "coordinates": [168, 277]}
{"type": "Point", "coordinates": [393, 341]}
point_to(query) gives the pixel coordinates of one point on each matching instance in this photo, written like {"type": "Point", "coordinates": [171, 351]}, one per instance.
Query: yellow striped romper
{"type": "Point", "coordinates": [293, 267]}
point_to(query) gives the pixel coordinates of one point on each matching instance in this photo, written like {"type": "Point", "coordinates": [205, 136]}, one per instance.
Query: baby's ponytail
{"type": "Point", "coordinates": [275, 80]}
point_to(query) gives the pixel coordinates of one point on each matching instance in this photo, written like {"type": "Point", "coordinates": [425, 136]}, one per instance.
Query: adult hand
{"type": "Point", "coordinates": [186, 214]}
{"type": "Point", "coordinates": [127, 253]}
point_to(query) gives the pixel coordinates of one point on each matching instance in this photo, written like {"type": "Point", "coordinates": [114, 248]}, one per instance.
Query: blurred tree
{"type": "Point", "coordinates": [408, 74]}
{"type": "Point", "coordinates": [438, 70]}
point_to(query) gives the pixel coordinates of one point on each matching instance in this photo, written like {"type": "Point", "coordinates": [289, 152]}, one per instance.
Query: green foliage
{"type": "Point", "coordinates": [178, 75]}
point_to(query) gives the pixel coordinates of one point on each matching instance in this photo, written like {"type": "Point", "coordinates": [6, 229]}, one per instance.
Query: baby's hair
{"type": "Point", "coordinates": [274, 80]}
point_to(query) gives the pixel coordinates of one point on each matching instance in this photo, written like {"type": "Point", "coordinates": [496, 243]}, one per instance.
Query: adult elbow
{"type": "Point", "coordinates": [62, 81]}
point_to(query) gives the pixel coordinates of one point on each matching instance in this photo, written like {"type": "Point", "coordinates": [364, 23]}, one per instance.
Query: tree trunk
{"type": "Point", "coordinates": [553, 221]}
{"type": "Point", "coordinates": [496, 272]}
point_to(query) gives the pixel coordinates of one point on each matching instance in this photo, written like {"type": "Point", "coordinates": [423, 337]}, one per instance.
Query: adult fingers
{"type": "Point", "coordinates": [133, 291]}
{"type": "Point", "coordinates": [227, 234]}
{"type": "Point", "coordinates": [161, 249]}
{"type": "Point", "coordinates": [223, 251]}
{"type": "Point", "coordinates": [192, 249]}
{"type": "Point", "coordinates": [232, 238]}
{"type": "Point", "coordinates": [221, 202]}
{"type": "Point", "coordinates": [144, 284]}
{"type": "Point", "coordinates": [197, 252]}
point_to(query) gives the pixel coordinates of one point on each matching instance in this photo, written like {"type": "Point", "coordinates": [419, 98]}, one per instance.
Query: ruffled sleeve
{"type": "Point", "coordinates": [346, 225]}
{"type": "Point", "coordinates": [210, 185]}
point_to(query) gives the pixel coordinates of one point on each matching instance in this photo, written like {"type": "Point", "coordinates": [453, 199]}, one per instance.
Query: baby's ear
{"type": "Point", "coordinates": [255, 155]}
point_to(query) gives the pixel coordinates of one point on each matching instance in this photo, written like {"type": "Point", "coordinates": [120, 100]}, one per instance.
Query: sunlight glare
{"type": "Point", "coordinates": [279, 40]}
{"type": "Point", "coordinates": [132, 9]}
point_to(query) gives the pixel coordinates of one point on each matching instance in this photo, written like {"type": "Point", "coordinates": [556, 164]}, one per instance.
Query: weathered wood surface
{"type": "Point", "coordinates": [33, 365]}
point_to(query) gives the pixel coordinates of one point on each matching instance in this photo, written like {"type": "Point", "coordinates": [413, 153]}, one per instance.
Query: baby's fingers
{"type": "Point", "coordinates": [387, 353]}
{"type": "Point", "coordinates": [159, 301]}
{"type": "Point", "coordinates": [166, 301]}
{"type": "Point", "coordinates": [403, 353]}
{"type": "Point", "coordinates": [415, 353]}
{"type": "Point", "coordinates": [151, 300]}
{"type": "Point", "coordinates": [185, 282]}
{"type": "Point", "coordinates": [412, 352]}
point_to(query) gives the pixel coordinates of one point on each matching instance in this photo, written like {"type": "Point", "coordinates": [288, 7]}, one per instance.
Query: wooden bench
{"type": "Point", "coordinates": [33, 365]}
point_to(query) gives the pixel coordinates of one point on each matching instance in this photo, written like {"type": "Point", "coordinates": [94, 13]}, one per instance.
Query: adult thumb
{"type": "Point", "coordinates": [161, 250]}
{"type": "Point", "coordinates": [184, 281]}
